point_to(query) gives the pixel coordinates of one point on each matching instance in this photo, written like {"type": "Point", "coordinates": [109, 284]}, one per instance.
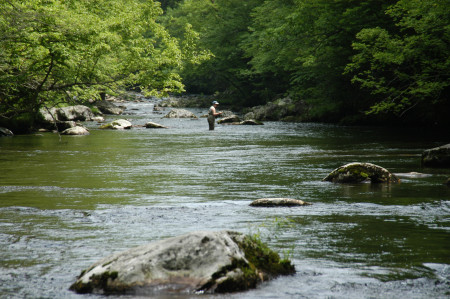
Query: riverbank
{"type": "Point", "coordinates": [287, 110]}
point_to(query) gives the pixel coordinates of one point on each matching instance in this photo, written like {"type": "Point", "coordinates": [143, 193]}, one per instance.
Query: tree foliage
{"type": "Point", "coordinates": [71, 50]}
{"type": "Point", "coordinates": [221, 25]}
{"type": "Point", "coordinates": [307, 43]}
{"type": "Point", "coordinates": [341, 57]}
{"type": "Point", "coordinates": [410, 67]}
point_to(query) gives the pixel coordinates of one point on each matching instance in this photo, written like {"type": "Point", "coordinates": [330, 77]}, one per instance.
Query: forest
{"type": "Point", "coordinates": [382, 62]}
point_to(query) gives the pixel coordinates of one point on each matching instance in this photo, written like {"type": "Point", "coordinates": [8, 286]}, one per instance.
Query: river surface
{"type": "Point", "coordinates": [66, 203]}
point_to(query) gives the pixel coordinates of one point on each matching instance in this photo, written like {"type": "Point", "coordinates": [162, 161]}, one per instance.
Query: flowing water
{"type": "Point", "coordinates": [65, 203]}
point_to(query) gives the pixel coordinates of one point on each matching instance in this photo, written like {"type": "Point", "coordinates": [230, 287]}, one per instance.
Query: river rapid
{"type": "Point", "coordinates": [66, 203]}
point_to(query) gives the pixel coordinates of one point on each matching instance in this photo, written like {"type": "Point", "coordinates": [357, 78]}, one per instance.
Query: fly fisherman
{"type": "Point", "coordinates": [212, 114]}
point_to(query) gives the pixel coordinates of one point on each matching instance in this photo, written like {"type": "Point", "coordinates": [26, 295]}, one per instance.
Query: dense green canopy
{"type": "Point", "coordinates": [345, 60]}
{"type": "Point", "coordinates": [71, 51]}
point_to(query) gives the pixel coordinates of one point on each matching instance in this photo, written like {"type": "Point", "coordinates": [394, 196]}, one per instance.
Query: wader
{"type": "Point", "coordinates": [211, 119]}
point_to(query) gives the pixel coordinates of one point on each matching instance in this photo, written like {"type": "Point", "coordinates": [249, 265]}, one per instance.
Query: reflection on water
{"type": "Point", "coordinates": [65, 204]}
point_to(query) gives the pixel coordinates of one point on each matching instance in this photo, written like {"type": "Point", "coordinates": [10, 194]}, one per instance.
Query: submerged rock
{"type": "Point", "coordinates": [180, 113]}
{"type": "Point", "coordinates": [153, 125]}
{"type": "Point", "coordinates": [437, 157]}
{"type": "Point", "coordinates": [278, 202]}
{"type": "Point", "coordinates": [359, 172]}
{"type": "Point", "coordinates": [199, 262]}
{"type": "Point", "coordinates": [118, 124]}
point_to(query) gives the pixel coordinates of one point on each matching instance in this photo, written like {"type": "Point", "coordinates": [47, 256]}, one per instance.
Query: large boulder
{"type": "Point", "coordinates": [70, 113]}
{"type": "Point", "coordinates": [180, 113]}
{"type": "Point", "coordinates": [437, 157]}
{"type": "Point", "coordinates": [118, 124]}
{"type": "Point", "coordinates": [75, 113]}
{"type": "Point", "coordinates": [63, 125]}
{"type": "Point", "coordinates": [278, 202]}
{"type": "Point", "coordinates": [106, 107]}
{"type": "Point", "coordinates": [65, 117]}
{"type": "Point", "coordinates": [285, 109]}
{"type": "Point", "coordinates": [49, 115]}
{"type": "Point", "coordinates": [359, 172]}
{"type": "Point", "coordinates": [199, 262]}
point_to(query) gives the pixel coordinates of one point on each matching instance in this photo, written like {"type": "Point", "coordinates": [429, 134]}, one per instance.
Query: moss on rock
{"type": "Point", "coordinates": [201, 262]}
{"type": "Point", "coordinates": [261, 263]}
{"type": "Point", "coordinates": [359, 172]}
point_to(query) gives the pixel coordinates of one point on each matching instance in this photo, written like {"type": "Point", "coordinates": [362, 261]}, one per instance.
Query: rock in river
{"type": "Point", "coordinates": [359, 172]}
{"type": "Point", "coordinates": [229, 119]}
{"type": "Point", "coordinates": [107, 107]}
{"type": "Point", "coordinates": [65, 117]}
{"type": "Point", "coordinates": [77, 112]}
{"type": "Point", "coordinates": [198, 262]}
{"type": "Point", "coordinates": [118, 124]}
{"type": "Point", "coordinates": [437, 157]}
{"type": "Point", "coordinates": [153, 125]}
{"type": "Point", "coordinates": [251, 122]}
{"type": "Point", "coordinates": [180, 113]}
{"type": "Point", "coordinates": [278, 202]}
{"type": "Point", "coordinates": [77, 130]}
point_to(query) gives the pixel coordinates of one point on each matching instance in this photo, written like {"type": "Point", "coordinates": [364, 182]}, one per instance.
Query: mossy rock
{"type": "Point", "coordinates": [278, 202]}
{"type": "Point", "coordinates": [118, 124]}
{"type": "Point", "coordinates": [360, 172]}
{"type": "Point", "coordinates": [199, 262]}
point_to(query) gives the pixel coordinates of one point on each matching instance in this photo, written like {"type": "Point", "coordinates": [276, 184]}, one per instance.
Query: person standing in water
{"type": "Point", "coordinates": [212, 114]}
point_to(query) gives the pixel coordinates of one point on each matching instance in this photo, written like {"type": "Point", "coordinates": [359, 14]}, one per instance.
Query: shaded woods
{"type": "Point", "coordinates": [351, 62]}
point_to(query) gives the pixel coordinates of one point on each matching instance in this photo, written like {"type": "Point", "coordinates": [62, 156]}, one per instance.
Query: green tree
{"type": "Point", "coordinates": [221, 26]}
{"type": "Point", "coordinates": [55, 51]}
{"type": "Point", "coordinates": [306, 44]}
{"type": "Point", "coordinates": [407, 69]}
{"type": "Point", "coordinates": [169, 3]}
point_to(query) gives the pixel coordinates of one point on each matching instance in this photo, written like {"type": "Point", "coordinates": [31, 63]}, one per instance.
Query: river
{"type": "Point", "coordinates": [65, 203]}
